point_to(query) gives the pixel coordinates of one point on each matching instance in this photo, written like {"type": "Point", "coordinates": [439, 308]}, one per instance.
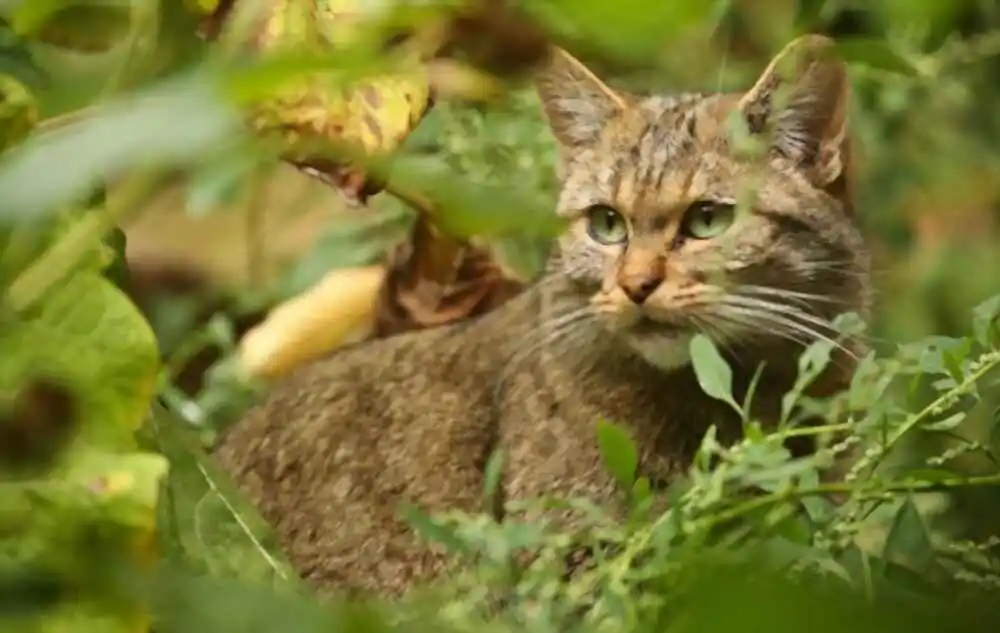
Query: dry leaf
{"type": "Point", "coordinates": [434, 279]}
{"type": "Point", "coordinates": [337, 310]}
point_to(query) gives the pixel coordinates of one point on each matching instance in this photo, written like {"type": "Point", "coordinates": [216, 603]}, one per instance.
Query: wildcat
{"type": "Point", "coordinates": [658, 248]}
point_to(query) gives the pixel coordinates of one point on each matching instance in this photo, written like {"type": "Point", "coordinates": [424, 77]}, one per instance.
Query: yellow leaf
{"type": "Point", "coordinates": [320, 108]}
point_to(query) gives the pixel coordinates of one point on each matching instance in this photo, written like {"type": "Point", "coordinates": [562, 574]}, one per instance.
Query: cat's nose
{"type": "Point", "coordinates": [639, 287]}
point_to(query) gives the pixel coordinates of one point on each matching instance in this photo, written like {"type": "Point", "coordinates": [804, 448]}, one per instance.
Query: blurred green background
{"type": "Point", "coordinates": [229, 237]}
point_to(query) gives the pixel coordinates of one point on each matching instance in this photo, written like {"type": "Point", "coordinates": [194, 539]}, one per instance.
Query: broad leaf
{"type": "Point", "coordinates": [713, 372]}
{"type": "Point", "coordinates": [91, 26]}
{"type": "Point", "coordinates": [619, 453]}
{"type": "Point", "coordinates": [88, 334]}
{"type": "Point", "coordinates": [169, 124]}
{"type": "Point", "coordinates": [909, 542]}
{"type": "Point", "coordinates": [207, 521]}
{"type": "Point", "coordinates": [876, 54]}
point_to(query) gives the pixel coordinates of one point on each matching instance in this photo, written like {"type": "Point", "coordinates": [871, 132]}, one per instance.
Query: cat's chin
{"type": "Point", "coordinates": [666, 350]}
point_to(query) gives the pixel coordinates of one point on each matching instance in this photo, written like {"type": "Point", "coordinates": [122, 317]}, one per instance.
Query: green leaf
{"type": "Point", "coordinates": [930, 475]}
{"type": "Point", "coordinates": [994, 434]}
{"type": "Point", "coordinates": [947, 424]}
{"type": "Point", "coordinates": [464, 208]}
{"type": "Point", "coordinates": [518, 535]}
{"type": "Point", "coordinates": [17, 60]}
{"type": "Point", "coordinates": [492, 474]}
{"type": "Point", "coordinates": [984, 321]}
{"type": "Point", "coordinates": [206, 521]}
{"type": "Point", "coordinates": [91, 519]}
{"type": "Point", "coordinates": [954, 359]}
{"type": "Point", "coordinates": [814, 360]}
{"type": "Point", "coordinates": [714, 375]}
{"type": "Point", "coordinates": [183, 602]}
{"type": "Point", "coordinates": [875, 54]}
{"type": "Point", "coordinates": [128, 485]}
{"type": "Point", "coordinates": [221, 180]}
{"type": "Point", "coordinates": [352, 240]}
{"type": "Point", "coordinates": [619, 453]}
{"type": "Point", "coordinates": [909, 543]}
{"type": "Point", "coordinates": [641, 497]}
{"type": "Point", "coordinates": [635, 29]}
{"type": "Point", "coordinates": [18, 112]}
{"type": "Point", "coordinates": [37, 426]}
{"type": "Point", "coordinates": [117, 270]}
{"type": "Point", "coordinates": [431, 529]}
{"type": "Point", "coordinates": [88, 333]}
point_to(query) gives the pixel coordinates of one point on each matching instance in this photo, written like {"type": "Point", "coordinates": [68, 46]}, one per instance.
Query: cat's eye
{"type": "Point", "coordinates": [606, 225]}
{"type": "Point", "coordinates": [705, 220]}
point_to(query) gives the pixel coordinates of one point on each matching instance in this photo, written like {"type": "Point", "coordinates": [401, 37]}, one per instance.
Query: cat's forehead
{"type": "Point", "coordinates": [666, 152]}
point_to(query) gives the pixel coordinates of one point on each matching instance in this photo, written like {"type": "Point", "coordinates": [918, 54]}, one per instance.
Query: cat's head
{"type": "Point", "coordinates": [676, 228]}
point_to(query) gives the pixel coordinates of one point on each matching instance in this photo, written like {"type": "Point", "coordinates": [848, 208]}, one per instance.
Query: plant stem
{"type": "Point", "coordinates": [817, 430]}
{"type": "Point", "coordinates": [792, 494]}
{"type": "Point", "coordinates": [989, 360]}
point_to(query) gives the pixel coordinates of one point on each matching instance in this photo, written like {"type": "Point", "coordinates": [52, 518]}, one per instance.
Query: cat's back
{"type": "Point", "coordinates": [334, 449]}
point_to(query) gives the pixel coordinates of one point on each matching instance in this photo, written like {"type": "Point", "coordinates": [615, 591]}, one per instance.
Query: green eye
{"type": "Point", "coordinates": [705, 220]}
{"type": "Point", "coordinates": [606, 225]}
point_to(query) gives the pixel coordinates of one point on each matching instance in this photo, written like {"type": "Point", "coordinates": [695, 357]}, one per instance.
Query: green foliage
{"type": "Point", "coordinates": [619, 453]}
{"type": "Point", "coordinates": [208, 526]}
{"type": "Point", "coordinates": [81, 499]}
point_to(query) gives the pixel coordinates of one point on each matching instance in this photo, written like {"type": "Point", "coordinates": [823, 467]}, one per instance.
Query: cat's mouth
{"type": "Point", "coordinates": [646, 326]}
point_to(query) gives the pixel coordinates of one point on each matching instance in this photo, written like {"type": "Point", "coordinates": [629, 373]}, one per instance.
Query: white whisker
{"type": "Point", "coordinates": [788, 319]}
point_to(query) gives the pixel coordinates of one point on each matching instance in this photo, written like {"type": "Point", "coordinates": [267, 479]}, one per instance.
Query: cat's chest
{"type": "Point", "coordinates": [549, 428]}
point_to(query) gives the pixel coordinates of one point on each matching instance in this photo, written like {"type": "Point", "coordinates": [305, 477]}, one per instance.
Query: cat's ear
{"type": "Point", "coordinates": [800, 101]}
{"type": "Point", "coordinates": [577, 104]}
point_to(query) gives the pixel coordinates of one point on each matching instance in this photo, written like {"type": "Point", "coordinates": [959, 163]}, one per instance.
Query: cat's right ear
{"type": "Point", "coordinates": [577, 104]}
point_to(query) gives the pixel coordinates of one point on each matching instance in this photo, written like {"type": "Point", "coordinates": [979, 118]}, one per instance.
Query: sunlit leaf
{"type": "Point", "coordinates": [619, 453]}
{"type": "Point", "coordinates": [89, 334]}
{"type": "Point", "coordinates": [713, 372]}
{"type": "Point", "coordinates": [984, 320]}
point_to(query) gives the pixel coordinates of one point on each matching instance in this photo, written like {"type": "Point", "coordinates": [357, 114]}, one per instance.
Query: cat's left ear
{"type": "Point", "coordinates": [801, 102]}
